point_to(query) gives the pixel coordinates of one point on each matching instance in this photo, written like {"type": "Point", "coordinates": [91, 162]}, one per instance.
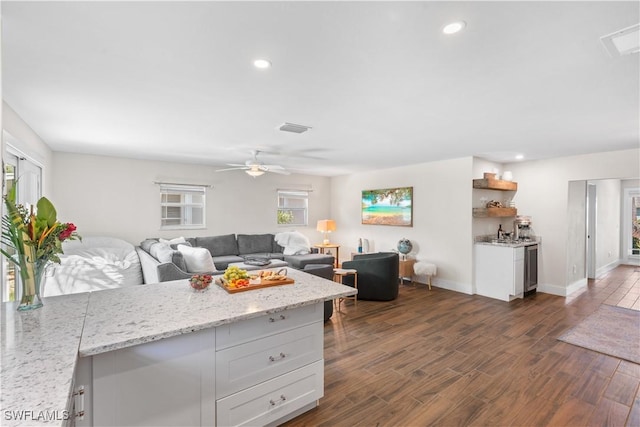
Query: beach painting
{"type": "Point", "coordinates": [389, 206]}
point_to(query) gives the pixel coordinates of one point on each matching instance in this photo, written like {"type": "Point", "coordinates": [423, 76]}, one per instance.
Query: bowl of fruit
{"type": "Point", "coordinates": [200, 282]}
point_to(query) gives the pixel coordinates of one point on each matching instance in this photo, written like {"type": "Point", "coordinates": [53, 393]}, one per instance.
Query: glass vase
{"type": "Point", "coordinates": [31, 275]}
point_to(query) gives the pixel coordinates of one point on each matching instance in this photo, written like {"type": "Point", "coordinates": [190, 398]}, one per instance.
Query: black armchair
{"type": "Point", "coordinates": [377, 275]}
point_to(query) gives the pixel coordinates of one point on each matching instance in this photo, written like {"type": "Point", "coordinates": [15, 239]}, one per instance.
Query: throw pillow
{"type": "Point", "coordinates": [293, 242]}
{"type": "Point", "coordinates": [197, 260]}
{"type": "Point", "coordinates": [172, 241]}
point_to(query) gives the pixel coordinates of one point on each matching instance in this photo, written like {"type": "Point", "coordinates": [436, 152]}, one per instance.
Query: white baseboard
{"type": "Point", "coordinates": [604, 269]}
{"type": "Point", "coordinates": [561, 291]}
{"type": "Point", "coordinates": [448, 284]}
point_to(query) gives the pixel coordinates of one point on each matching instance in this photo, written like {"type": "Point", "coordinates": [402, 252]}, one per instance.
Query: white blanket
{"type": "Point", "coordinates": [95, 263]}
{"type": "Point", "coordinates": [293, 242]}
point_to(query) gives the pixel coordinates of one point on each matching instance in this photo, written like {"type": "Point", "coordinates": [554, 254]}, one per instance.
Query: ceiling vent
{"type": "Point", "coordinates": [623, 42]}
{"type": "Point", "coordinates": [292, 127]}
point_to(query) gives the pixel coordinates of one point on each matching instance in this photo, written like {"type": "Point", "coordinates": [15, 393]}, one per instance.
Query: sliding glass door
{"type": "Point", "coordinates": [27, 176]}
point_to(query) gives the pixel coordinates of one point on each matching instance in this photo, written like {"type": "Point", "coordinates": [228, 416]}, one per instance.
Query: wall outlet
{"type": "Point", "coordinates": [575, 269]}
{"type": "Point", "coordinates": [609, 254]}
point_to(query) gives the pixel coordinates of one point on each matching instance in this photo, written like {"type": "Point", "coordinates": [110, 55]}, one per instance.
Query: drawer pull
{"type": "Point", "coordinates": [280, 357]}
{"type": "Point", "coordinates": [282, 317]}
{"type": "Point", "coordinates": [282, 399]}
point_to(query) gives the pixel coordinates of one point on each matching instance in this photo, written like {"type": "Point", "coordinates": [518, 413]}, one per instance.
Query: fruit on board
{"type": "Point", "coordinates": [233, 273]}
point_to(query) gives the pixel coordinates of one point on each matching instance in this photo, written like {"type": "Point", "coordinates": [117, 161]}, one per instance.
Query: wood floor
{"type": "Point", "coordinates": [444, 358]}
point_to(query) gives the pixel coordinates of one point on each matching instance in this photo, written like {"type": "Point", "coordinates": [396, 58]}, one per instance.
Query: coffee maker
{"type": "Point", "coordinates": [522, 228]}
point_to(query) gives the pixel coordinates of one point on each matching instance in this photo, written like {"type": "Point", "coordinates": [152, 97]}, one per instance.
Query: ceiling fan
{"type": "Point", "coordinates": [255, 168]}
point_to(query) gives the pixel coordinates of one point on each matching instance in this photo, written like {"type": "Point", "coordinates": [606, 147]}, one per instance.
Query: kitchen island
{"type": "Point", "coordinates": [160, 353]}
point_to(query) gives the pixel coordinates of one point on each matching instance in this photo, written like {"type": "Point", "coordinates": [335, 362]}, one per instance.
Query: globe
{"type": "Point", "coordinates": [404, 246]}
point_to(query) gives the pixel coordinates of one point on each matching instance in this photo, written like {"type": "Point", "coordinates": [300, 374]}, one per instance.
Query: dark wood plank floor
{"type": "Point", "coordinates": [448, 359]}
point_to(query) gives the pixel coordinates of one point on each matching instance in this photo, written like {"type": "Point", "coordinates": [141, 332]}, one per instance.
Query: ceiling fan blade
{"type": "Point", "coordinates": [232, 169]}
{"type": "Point", "coordinates": [272, 167]}
{"type": "Point", "coordinates": [278, 171]}
{"type": "Point", "coordinates": [236, 164]}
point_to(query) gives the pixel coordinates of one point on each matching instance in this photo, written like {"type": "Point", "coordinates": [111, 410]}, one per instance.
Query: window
{"type": "Point", "coordinates": [182, 206]}
{"type": "Point", "coordinates": [292, 207]}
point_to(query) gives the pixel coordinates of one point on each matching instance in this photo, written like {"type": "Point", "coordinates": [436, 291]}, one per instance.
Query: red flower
{"type": "Point", "coordinates": [67, 232]}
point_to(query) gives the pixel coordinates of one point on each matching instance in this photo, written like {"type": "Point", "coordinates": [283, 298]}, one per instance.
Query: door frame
{"type": "Point", "coordinates": [592, 204]}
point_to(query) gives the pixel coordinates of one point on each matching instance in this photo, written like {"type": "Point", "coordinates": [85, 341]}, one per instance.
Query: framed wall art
{"type": "Point", "coordinates": [388, 206]}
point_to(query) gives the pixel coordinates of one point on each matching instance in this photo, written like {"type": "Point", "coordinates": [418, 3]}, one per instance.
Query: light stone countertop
{"type": "Point", "coordinates": [124, 317]}
{"type": "Point", "coordinates": [39, 354]}
{"type": "Point", "coordinates": [491, 240]}
{"type": "Point", "coordinates": [40, 348]}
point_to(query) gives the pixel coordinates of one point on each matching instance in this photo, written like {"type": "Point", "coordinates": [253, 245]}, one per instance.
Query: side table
{"type": "Point", "coordinates": [341, 273]}
{"type": "Point", "coordinates": [406, 269]}
{"type": "Point", "coordinates": [322, 248]}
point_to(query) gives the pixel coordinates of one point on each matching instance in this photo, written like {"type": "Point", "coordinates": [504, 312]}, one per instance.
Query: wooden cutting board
{"type": "Point", "coordinates": [263, 284]}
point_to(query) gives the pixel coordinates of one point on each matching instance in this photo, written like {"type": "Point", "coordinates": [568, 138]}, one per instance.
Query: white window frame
{"type": "Point", "coordinates": [293, 194]}
{"type": "Point", "coordinates": [186, 191]}
{"type": "Point", "coordinates": [29, 175]}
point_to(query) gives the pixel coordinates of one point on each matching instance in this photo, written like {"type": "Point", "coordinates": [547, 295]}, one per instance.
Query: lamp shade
{"type": "Point", "coordinates": [326, 225]}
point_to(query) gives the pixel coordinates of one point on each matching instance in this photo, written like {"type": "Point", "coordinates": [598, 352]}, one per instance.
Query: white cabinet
{"type": "Point", "coordinates": [499, 271]}
{"type": "Point", "coordinates": [170, 382]}
{"type": "Point", "coordinates": [269, 368]}
{"type": "Point", "coordinates": [278, 399]}
{"type": "Point", "coordinates": [258, 371]}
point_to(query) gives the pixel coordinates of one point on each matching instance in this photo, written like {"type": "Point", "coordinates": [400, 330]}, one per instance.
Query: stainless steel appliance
{"type": "Point", "coordinates": [530, 268]}
{"type": "Point", "coordinates": [522, 228]}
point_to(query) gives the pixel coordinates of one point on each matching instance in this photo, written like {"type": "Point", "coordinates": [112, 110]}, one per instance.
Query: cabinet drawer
{"type": "Point", "coordinates": [246, 330]}
{"type": "Point", "coordinates": [248, 364]}
{"type": "Point", "coordinates": [274, 399]}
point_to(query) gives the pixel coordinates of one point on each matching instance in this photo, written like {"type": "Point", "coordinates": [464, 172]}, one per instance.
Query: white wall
{"type": "Point", "coordinates": [576, 234]}
{"type": "Point", "coordinates": [442, 226]}
{"type": "Point", "coordinates": [117, 197]}
{"type": "Point", "coordinates": [607, 224]}
{"type": "Point", "coordinates": [17, 133]}
{"type": "Point", "coordinates": [488, 226]}
{"type": "Point", "coordinates": [543, 194]}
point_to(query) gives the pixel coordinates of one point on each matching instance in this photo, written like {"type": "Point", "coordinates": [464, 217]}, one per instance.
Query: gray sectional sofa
{"type": "Point", "coordinates": [162, 262]}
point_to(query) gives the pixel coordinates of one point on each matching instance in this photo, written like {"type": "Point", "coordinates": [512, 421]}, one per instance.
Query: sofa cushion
{"type": "Point", "coordinates": [164, 254]}
{"type": "Point", "coordinates": [147, 243]}
{"type": "Point", "coordinates": [197, 260]}
{"type": "Point", "coordinates": [254, 243]}
{"type": "Point", "coordinates": [300, 261]}
{"type": "Point", "coordinates": [172, 241]}
{"type": "Point", "coordinates": [219, 245]}
{"type": "Point", "coordinates": [222, 262]}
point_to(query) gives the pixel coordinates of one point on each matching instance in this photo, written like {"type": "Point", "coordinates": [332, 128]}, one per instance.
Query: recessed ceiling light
{"type": "Point", "coordinates": [262, 63]}
{"type": "Point", "coordinates": [454, 27]}
{"type": "Point", "coordinates": [519, 156]}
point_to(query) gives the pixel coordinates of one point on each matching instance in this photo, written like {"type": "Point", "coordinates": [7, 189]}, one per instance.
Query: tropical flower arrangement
{"type": "Point", "coordinates": [36, 236]}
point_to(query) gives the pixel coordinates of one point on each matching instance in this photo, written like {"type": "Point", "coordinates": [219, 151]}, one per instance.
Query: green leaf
{"type": "Point", "coordinates": [46, 211]}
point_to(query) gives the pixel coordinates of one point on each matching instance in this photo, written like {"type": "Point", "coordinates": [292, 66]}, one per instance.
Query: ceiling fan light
{"type": "Point", "coordinates": [454, 27]}
{"type": "Point", "coordinates": [254, 172]}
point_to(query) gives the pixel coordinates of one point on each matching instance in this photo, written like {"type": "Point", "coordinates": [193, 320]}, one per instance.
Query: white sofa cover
{"type": "Point", "coordinates": [95, 263]}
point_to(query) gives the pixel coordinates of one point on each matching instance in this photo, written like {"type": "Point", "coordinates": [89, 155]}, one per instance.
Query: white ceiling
{"type": "Point", "coordinates": [378, 81]}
